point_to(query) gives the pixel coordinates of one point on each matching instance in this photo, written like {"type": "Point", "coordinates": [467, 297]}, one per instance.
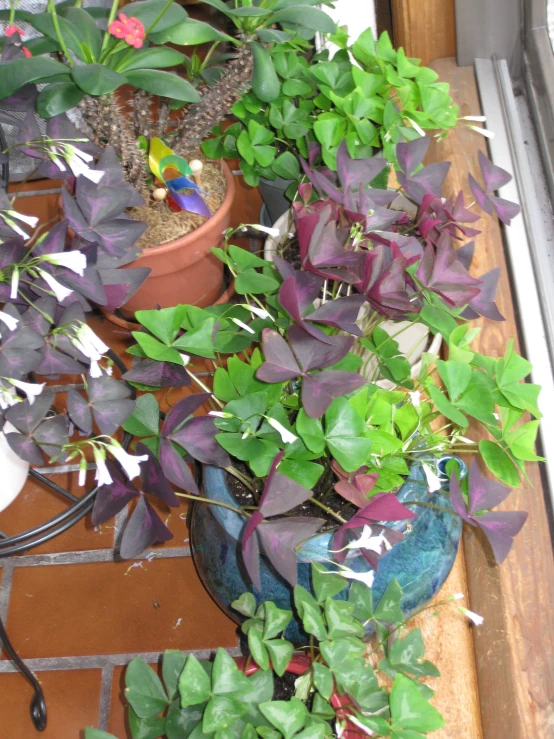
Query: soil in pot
{"type": "Point", "coordinates": [322, 491]}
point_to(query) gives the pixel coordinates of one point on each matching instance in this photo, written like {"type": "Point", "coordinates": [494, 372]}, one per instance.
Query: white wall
{"type": "Point", "coordinates": [356, 14]}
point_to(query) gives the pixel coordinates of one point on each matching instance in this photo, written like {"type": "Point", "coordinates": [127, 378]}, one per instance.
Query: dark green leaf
{"type": "Point", "coordinates": [499, 463]}
{"type": "Point", "coordinates": [280, 653]}
{"type": "Point", "coordinates": [410, 710]}
{"type": "Point", "coordinates": [221, 712]}
{"type": "Point", "coordinates": [246, 605]}
{"type": "Point", "coordinates": [226, 676]}
{"type": "Point", "coordinates": [144, 689]}
{"type": "Point", "coordinates": [388, 609]}
{"type": "Point", "coordinates": [181, 721]}
{"type": "Point", "coordinates": [194, 683]}
{"type": "Point", "coordinates": [145, 728]}
{"type": "Point", "coordinates": [164, 84]}
{"type": "Point", "coordinates": [288, 717]}
{"type": "Point", "coordinates": [323, 680]}
{"type": "Point", "coordinates": [303, 15]}
{"type": "Point", "coordinates": [153, 57]}
{"type": "Point", "coordinates": [276, 620]}
{"type": "Point", "coordinates": [172, 666]}
{"type": "Point", "coordinates": [257, 648]}
{"type": "Point", "coordinates": [96, 79]}
{"type": "Point", "coordinates": [145, 419]}
{"type": "Point", "coordinates": [326, 584]}
{"type": "Point", "coordinates": [19, 72]}
{"type": "Point", "coordinates": [189, 33]}
{"type": "Point", "coordinates": [57, 98]}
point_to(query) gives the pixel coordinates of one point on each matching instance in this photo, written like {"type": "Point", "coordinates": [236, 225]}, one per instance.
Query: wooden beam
{"type": "Point", "coordinates": [514, 648]}
{"type": "Point", "coordinates": [426, 29]}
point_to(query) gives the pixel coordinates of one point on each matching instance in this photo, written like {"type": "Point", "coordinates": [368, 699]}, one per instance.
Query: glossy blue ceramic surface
{"type": "Point", "coordinates": [420, 562]}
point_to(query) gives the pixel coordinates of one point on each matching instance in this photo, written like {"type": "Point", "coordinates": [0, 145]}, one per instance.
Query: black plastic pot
{"type": "Point", "coordinates": [273, 194]}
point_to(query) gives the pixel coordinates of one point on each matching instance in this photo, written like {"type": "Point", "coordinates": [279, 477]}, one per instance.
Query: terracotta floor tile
{"type": "Point", "coordinates": [72, 699]}
{"type": "Point", "coordinates": [108, 608]}
{"type": "Point", "coordinates": [37, 504]}
{"type": "Point", "coordinates": [43, 207]}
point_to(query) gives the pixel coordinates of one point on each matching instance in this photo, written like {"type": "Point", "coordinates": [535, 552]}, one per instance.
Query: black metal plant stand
{"type": "Point", "coordinates": [23, 542]}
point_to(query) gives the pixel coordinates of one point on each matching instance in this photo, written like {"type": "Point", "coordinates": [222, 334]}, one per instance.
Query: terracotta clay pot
{"type": "Point", "coordinates": [185, 270]}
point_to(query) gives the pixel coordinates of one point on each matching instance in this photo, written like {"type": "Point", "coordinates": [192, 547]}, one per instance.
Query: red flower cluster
{"type": "Point", "coordinates": [130, 29]}
{"type": "Point", "coordinates": [14, 29]}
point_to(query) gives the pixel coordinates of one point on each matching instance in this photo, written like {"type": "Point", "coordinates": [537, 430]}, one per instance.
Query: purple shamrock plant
{"type": "Point", "coordinates": [48, 280]}
{"type": "Point", "coordinates": [322, 411]}
{"type": "Point", "coordinates": [500, 527]}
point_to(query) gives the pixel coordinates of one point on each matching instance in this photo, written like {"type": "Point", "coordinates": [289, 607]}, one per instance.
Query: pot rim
{"type": "Point", "coordinates": [234, 522]}
{"type": "Point", "coordinates": [190, 237]}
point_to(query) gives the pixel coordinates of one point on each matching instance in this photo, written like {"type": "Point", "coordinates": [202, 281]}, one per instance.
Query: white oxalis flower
{"type": "Point", "coordinates": [433, 480]}
{"type": "Point", "coordinates": [260, 312]}
{"type": "Point", "coordinates": [102, 475]}
{"type": "Point", "coordinates": [368, 541]}
{"type": "Point", "coordinates": [129, 462]}
{"type": "Point", "coordinates": [10, 321]}
{"type": "Point", "coordinates": [475, 617]}
{"type": "Point", "coordinates": [31, 389]}
{"type": "Point", "coordinates": [245, 326]}
{"type": "Point", "coordinates": [266, 229]}
{"type": "Point", "coordinates": [366, 577]}
{"type": "Point", "coordinates": [76, 261]}
{"type": "Point", "coordinates": [60, 291]}
{"type": "Point", "coordinates": [287, 436]}
{"type": "Point", "coordinates": [88, 343]}
{"type": "Point", "coordinates": [77, 161]}
{"type": "Point", "coordinates": [14, 284]}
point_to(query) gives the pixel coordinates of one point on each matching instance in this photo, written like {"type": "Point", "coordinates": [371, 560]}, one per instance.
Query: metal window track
{"type": "Point", "coordinates": [526, 240]}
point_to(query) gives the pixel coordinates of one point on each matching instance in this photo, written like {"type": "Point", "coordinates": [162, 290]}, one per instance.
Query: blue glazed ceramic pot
{"type": "Point", "coordinates": [420, 562]}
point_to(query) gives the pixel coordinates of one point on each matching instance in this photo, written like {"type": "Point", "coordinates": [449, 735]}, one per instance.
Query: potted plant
{"type": "Point", "coordinates": [338, 687]}
{"type": "Point", "coordinates": [48, 280]}
{"type": "Point", "coordinates": [305, 459]}
{"type": "Point", "coordinates": [367, 95]}
{"type": "Point", "coordinates": [187, 199]}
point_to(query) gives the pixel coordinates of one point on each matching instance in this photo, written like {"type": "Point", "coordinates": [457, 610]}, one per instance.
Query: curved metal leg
{"type": "Point", "coordinates": [38, 704]}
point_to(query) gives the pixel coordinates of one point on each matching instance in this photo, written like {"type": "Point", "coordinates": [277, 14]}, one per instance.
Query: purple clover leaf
{"type": "Point", "coordinates": [195, 435]}
{"type": "Point", "coordinates": [279, 538]}
{"type": "Point", "coordinates": [305, 354]}
{"type": "Point", "coordinates": [441, 272]}
{"type": "Point", "coordinates": [494, 178]}
{"type": "Point", "coordinates": [500, 527]}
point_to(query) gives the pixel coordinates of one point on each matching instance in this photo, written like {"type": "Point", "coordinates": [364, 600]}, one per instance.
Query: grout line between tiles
{"type": "Point", "coordinates": [5, 589]}
{"type": "Point", "coordinates": [89, 556]}
{"type": "Point", "coordinates": [103, 661]}
{"type": "Point", "coordinates": [105, 697]}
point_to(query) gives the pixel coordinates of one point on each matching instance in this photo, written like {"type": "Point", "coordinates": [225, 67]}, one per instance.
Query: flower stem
{"type": "Point", "coordinates": [56, 24]}
{"type": "Point", "coordinates": [201, 385]}
{"type": "Point", "coordinates": [429, 505]}
{"type": "Point", "coordinates": [327, 510]}
{"type": "Point", "coordinates": [242, 478]}
{"type": "Point", "coordinates": [199, 499]}
{"type": "Point", "coordinates": [111, 18]}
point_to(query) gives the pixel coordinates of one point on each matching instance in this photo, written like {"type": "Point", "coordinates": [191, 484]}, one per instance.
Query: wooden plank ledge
{"type": "Point", "coordinates": [514, 649]}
